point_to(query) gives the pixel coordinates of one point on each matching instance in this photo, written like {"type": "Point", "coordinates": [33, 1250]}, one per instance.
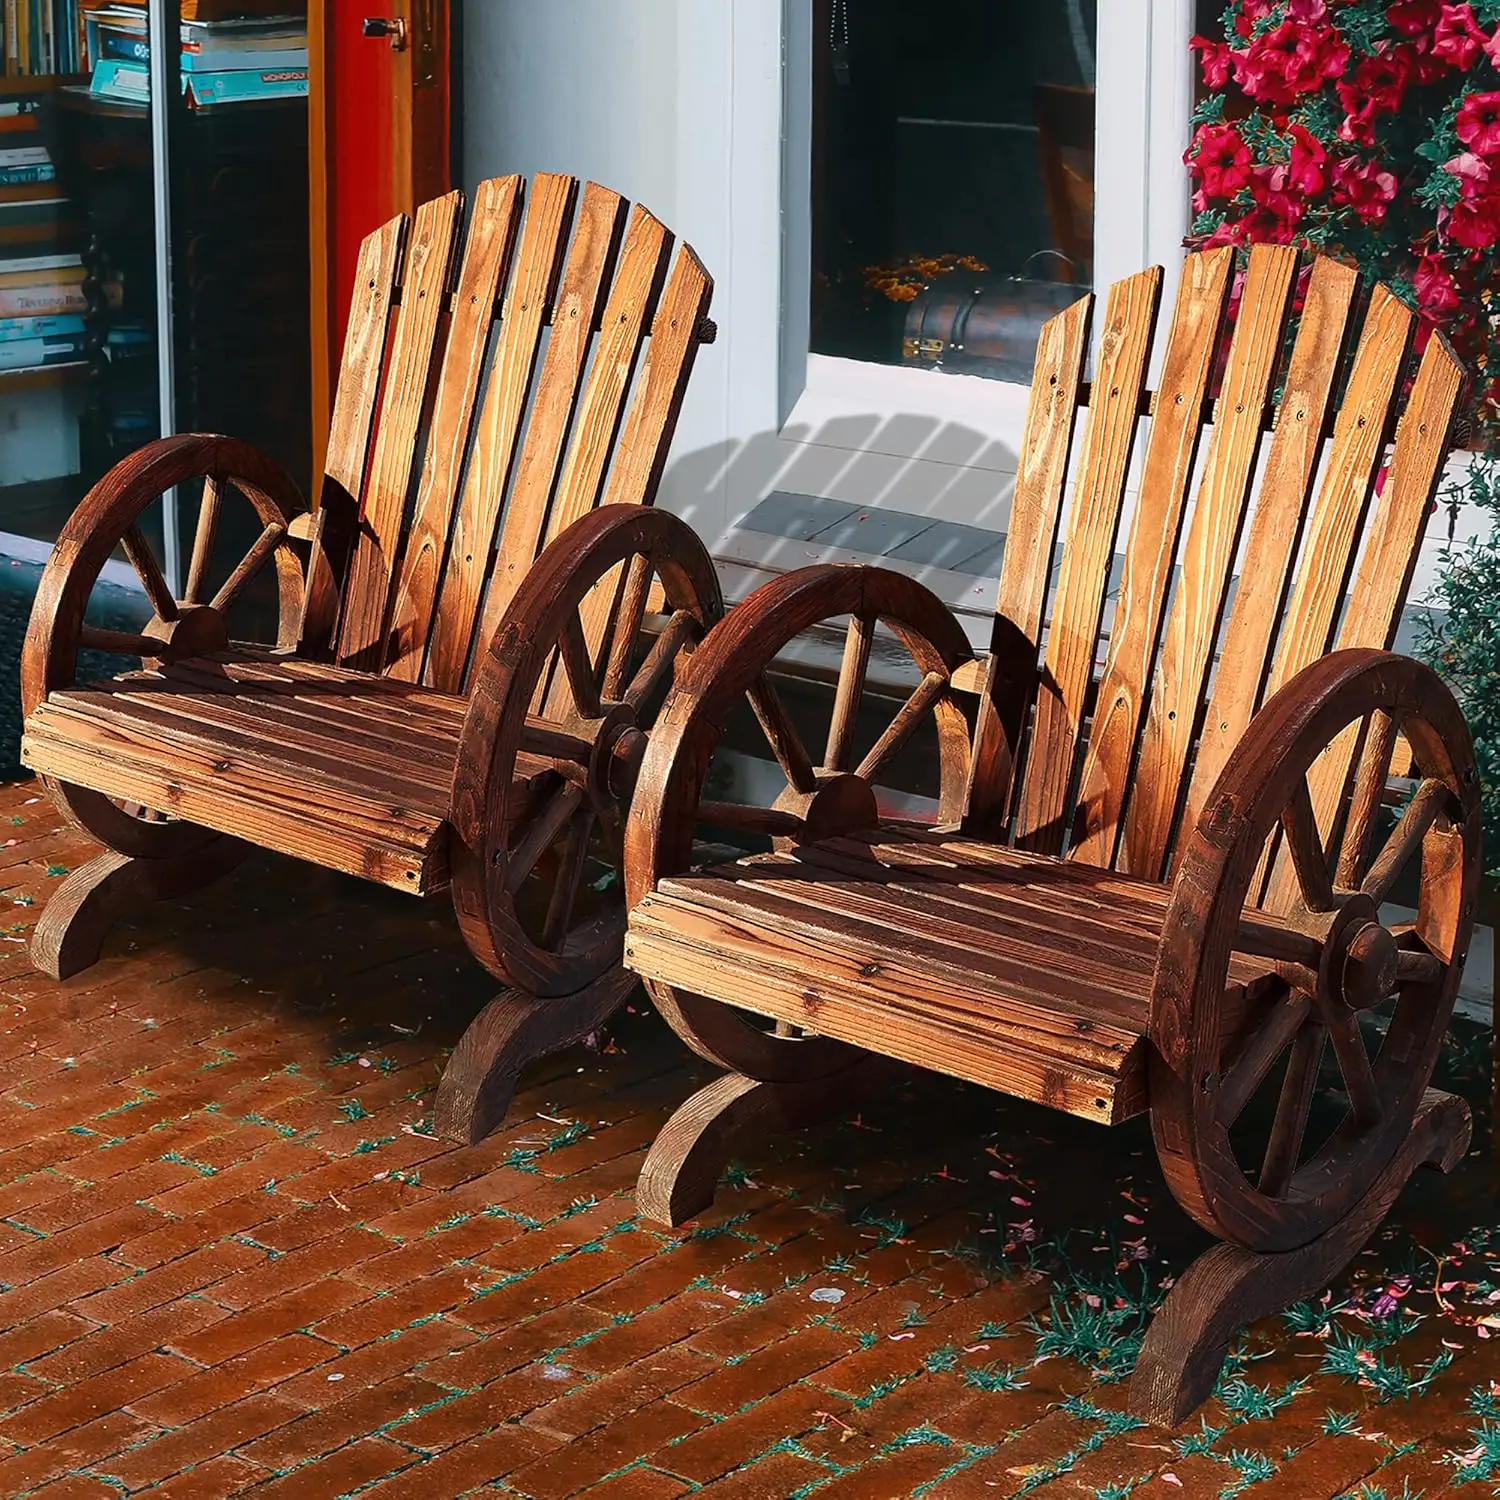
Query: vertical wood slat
{"type": "Point", "coordinates": [1031, 534]}
{"type": "Point", "coordinates": [623, 326]}
{"type": "Point", "coordinates": [377, 278]}
{"type": "Point", "coordinates": [1207, 558]}
{"type": "Point", "coordinates": [1277, 525]}
{"type": "Point", "coordinates": [407, 384]}
{"type": "Point", "coordinates": [1170, 453]}
{"type": "Point", "coordinates": [640, 453]}
{"type": "Point", "coordinates": [1385, 569]}
{"type": "Point", "coordinates": [1088, 550]}
{"type": "Point", "coordinates": [533, 279]}
{"type": "Point", "coordinates": [490, 238]}
{"type": "Point", "coordinates": [1361, 428]}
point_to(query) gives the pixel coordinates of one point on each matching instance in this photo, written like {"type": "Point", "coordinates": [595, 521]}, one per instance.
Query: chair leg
{"type": "Point", "coordinates": [71, 929]}
{"type": "Point", "coordinates": [692, 1149]}
{"type": "Point", "coordinates": [1228, 1287]}
{"type": "Point", "coordinates": [509, 1034]}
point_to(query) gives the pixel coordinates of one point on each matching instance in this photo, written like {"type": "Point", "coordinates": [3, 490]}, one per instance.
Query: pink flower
{"type": "Point", "coordinates": [1473, 223]}
{"type": "Point", "coordinates": [1478, 123]}
{"type": "Point", "coordinates": [1377, 88]}
{"type": "Point", "coordinates": [1216, 61]}
{"type": "Point", "coordinates": [1271, 188]}
{"type": "Point", "coordinates": [1290, 61]}
{"type": "Point", "coordinates": [1307, 169]}
{"type": "Point", "coordinates": [1458, 38]}
{"type": "Point", "coordinates": [1473, 172]}
{"type": "Point", "coordinates": [1365, 187]}
{"type": "Point", "coordinates": [1413, 17]}
{"type": "Point", "coordinates": [1221, 159]}
{"type": "Point", "coordinates": [1307, 12]}
{"type": "Point", "coordinates": [1437, 295]}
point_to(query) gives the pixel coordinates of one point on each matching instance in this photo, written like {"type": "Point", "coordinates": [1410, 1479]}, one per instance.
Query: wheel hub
{"type": "Point", "coordinates": [841, 803]}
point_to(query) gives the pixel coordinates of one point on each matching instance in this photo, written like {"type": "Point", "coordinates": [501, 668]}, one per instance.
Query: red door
{"type": "Point", "coordinates": [379, 121]}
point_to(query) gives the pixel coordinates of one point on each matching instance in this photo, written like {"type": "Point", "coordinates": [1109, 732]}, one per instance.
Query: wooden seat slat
{"type": "Point", "coordinates": [291, 814]}
{"type": "Point", "coordinates": [1079, 1071]}
{"type": "Point", "coordinates": [876, 930]}
{"type": "Point", "coordinates": [410, 792]}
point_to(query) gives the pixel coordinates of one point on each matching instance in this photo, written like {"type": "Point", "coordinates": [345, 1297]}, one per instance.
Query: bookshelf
{"type": "Point", "coordinates": [239, 252]}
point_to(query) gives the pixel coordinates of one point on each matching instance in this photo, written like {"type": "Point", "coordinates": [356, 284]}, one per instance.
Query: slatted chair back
{"type": "Point", "coordinates": [495, 385]}
{"type": "Point", "coordinates": [1114, 766]}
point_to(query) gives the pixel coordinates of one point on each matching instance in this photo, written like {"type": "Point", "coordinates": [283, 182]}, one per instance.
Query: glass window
{"type": "Point", "coordinates": [952, 178]}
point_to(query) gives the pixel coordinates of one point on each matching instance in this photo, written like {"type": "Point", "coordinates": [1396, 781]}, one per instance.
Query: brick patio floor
{"type": "Point", "coordinates": [234, 1260]}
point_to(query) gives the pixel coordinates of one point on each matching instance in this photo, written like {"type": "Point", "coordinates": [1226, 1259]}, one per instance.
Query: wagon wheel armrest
{"type": "Point", "coordinates": [1278, 774]}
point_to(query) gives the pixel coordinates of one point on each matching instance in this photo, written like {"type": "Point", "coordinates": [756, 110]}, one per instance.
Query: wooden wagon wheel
{"type": "Point", "coordinates": [108, 518]}
{"type": "Point", "coordinates": [573, 675]}
{"type": "Point", "coordinates": [1331, 960]}
{"type": "Point", "coordinates": [819, 799]}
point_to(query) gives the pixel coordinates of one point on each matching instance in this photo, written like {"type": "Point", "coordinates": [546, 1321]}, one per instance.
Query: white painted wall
{"type": "Point", "coordinates": [684, 105]}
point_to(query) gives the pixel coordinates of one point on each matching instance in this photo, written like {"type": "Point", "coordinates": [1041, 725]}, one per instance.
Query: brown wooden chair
{"type": "Point", "coordinates": [437, 708]}
{"type": "Point", "coordinates": [1164, 892]}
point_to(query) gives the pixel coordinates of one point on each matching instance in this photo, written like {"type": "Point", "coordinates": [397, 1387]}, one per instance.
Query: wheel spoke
{"type": "Point", "coordinates": [1354, 1063]}
{"type": "Point", "coordinates": [550, 821]}
{"type": "Point", "coordinates": [741, 817]}
{"type": "Point", "coordinates": [850, 691]}
{"type": "Point", "coordinates": [660, 659]}
{"type": "Point", "coordinates": [248, 566]}
{"type": "Point", "coordinates": [118, 642]}
{"type": "Point", "coordinates": [1424, 809]}
{"type": "Point", "coordinates": [143, 560]}
{"type": "Point", "coordinates": [1369, 789]}
{"type": "Point", "coordinates": [900, 729]}
{"type": "Point", "coordinates": [203, 540]}
{"type": "Point", "coordinates": [1284, 1147]}
{"type": "Point", "coordinates": [1418, 968]}
{"type": "Point", "coordinates": [612, 827]}
{"type": "Point", "coordinates": [569, 880]}
{"type": "Point", "coordinates": [1256, 1056]}
{"type": "Point", "coordinates": [782, 735]}
{"type": "Point", "coordinates": [1308, 858]}
{"type": "Point", "coordinates": [574, 650]}
{"type": "Point", "coordinates": [629, 611]}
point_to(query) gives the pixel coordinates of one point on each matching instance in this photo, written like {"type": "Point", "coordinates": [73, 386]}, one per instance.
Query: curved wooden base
{"type": "Point", "coordinates": [71, 929]}
{"type": "Point", "coordinates": [511, 1032]}
{"type": "Point", "coordinates": [1228, 1287]}
{"type": "Point", "coordinates": [690, 1152]}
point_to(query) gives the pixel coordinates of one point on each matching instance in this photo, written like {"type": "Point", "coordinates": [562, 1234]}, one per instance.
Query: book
{"type": "Point", "coordinates": [40, 263]}
{"type": "Point", "coordinates": [16, 176]}
{"type": "Point", "coordinates": [24, 156]}
{"type": "Point", "coordinates": [65, 325]}
{"type": "Point", "coordinates": [20, 353]}
{"type": "Point", "coordinates": [116, 79]}
{"type": "Point", "coordinates": [60, 276]}
{"type": "Point", "coordinates": [42, 301]}
{"type": "Point", "coordinates": [113, 44]}
{"type": "Point", "coordinates": [207, 89]}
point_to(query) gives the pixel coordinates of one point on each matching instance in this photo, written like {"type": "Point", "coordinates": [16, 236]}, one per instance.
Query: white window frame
{"type": "Point", "coordinates": [1143, 106]}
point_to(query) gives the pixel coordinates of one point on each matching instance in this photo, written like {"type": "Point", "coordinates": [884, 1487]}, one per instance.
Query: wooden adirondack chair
{"type": "Point", "coordinates": [1162, 898]}
{"type": "Point", "coordinates": [409, 722]}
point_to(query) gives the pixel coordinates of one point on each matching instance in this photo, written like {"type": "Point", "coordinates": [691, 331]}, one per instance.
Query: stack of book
{"type": "Point", "coordinates": [41, 311]}
{"type": "Point", "coordinates": [224, 61]}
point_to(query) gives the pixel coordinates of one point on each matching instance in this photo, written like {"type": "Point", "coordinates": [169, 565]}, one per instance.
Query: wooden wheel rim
{"type": "Point", "coordinates": [1218, 864]}
{"type": "Point", "coordinates": [54, 635]}
{"type": "Point", "coordinates": [509, 680]}
{"type": "Point", "coordinates": [734, 658]}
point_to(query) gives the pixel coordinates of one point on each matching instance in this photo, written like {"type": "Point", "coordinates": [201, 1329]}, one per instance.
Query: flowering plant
{"type": "Point", "coordinates": [907, 279]}
{"type": "Point", "coordinates": [1373, 132]}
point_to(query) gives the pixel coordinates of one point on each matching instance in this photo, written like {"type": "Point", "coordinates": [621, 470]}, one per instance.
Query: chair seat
{"type": "Point", "coordinates": [1028, 974]}
{"type": "Point", "coordinates": [349, 771]}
